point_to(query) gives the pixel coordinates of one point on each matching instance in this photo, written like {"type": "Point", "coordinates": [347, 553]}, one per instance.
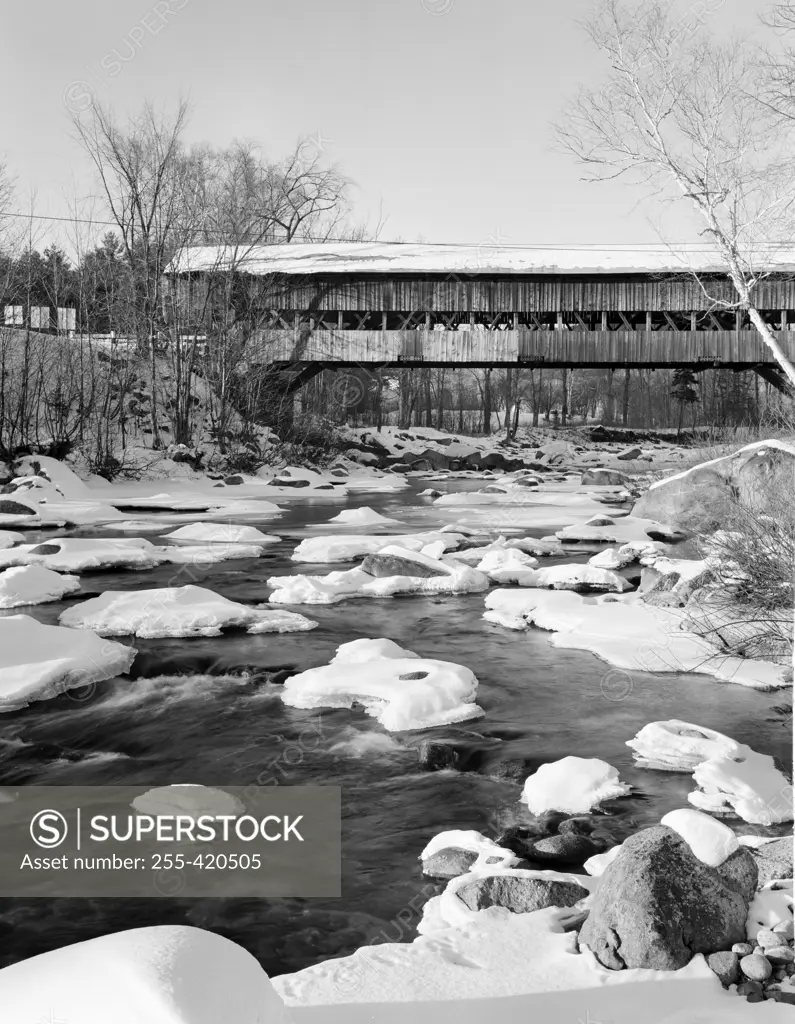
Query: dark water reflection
{"type": "Point", "coordinates": [207, 711]}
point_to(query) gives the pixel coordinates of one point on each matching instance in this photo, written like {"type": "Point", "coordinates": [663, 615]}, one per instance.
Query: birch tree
{"type": "Point", "coordinates": [682, 114]}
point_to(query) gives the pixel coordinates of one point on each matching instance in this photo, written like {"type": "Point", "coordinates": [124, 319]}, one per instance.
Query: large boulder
{"type": "Point", "coordinates": [379, 564]}
{"type": "Point", "coordinates": [604, 478]}
{"type": "Point", "coordinates": [773, 860]}
{"type": "Point", "coordinates": [15, 508]}
{"type": "Point", "coordinates": [449, 863]}
{"type": "Point", "coordinates": [757, 474]}
{"type": "Point", "coordinates": [519, 893]}
{"type": "Point", "coordinates": [658, 904]}
{"type": "Point", "coordinates": [567, 848]}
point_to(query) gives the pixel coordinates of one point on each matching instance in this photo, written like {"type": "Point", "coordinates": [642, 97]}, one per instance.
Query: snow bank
{"type": "Point", "coordinates": [33, 584]}
{"type": "Point", "coordinates": [175, 611]}
{"type": "Point", "coordinates": [361, 517]}
{"type": "Point", "coordinates": [400, 692]}
{"type": "Point", "coordinates": [38, 661]}
{"type": "Point", "coordinates": [168, 974]}
{"type": "Point", "coordinates": [354, 547]}
{"type": "Point", "coordinates": [354, 583]}
{"type": "Point", "coordinates": [221, 533]}
{"type": "Point", "coordinates": [627, 633]}
{"type": "Point", "coordinates": [710, 840]}
{"type": "Point", "coordinates": [573, 784]}
{"type": "Point", "coordinates": [65, 479]}
{"type": "Point", "coordinates": [8, 538]}
{"type": "Point", "coordinates": [514, 967]}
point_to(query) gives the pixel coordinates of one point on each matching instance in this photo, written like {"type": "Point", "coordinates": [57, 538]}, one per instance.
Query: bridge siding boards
{"type": "Point", "coordinates": [544, 347]}
{"type": "Point", "coordinates": [542, 294]}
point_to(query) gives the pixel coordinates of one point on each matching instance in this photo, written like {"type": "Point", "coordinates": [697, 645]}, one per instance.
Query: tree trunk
{"type": "Point", "coordinates": [487, 402]}
{"type": "Point", "coordinates": [769, 338]}
{"type": "Point", "coordinates": [564, 410]}
{"type": "Point", "coordinates": [610, 400]}
{"type": "Point", "coordinates": [625, 403]}
{"type": "Point", "coordinates": [508, 402]}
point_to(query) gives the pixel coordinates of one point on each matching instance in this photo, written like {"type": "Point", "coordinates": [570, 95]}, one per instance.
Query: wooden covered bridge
{"type": "Point", "coordinates": [316, 306]}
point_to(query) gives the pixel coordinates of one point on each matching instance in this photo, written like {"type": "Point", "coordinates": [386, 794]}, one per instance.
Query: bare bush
{"type": "Point", "coordinates": [747, 608]}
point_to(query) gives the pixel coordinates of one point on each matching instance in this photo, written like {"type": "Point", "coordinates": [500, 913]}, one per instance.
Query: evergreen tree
{"type": "Point", "coordinates": [684, 390]}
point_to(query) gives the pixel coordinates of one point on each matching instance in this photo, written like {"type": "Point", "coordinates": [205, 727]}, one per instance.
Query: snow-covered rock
{"type": "Point", "coordinates": [38, 661]}
{"type": "Point", "coordinates": [694, 499]}
{"type": "Point", "coordinates": [33, 584]}
{"type": "Point", "coordinates": [576, 577]}
{"type": "Point", "coordinates": [402, 693]}
{"type": "Point", "coordinates": [772, 905]}
{"type": "Point", "coordinates": [353, 547]}
{"type": "Point", "coordinates": [369, 649]}
{"type": "Point", "coordinates": [574, 785]}
{"type": "Point", "coordinates": [597, 864]}
{"type": "Point", "coordinates": [488, 855]}
{"type": "Point", "coordinates": [744, 783]}
{"type": "Point", "coordinates": [364, 516]}
{"type": "Point", "coordinates": [8, 538]}
{"type": "Point", "coordinates": [710, 840]}
{"type": "Point", "coordinates": [208, 554]}
{"type": "Point", "coordinates": [77, 554]}
{"type": "Point", "coordinates": [626, 554]}
{"type": "Point", "coordinates": [188, 800]}
{"type": "Point", "coordinates": [176, 611]}
{"type": "Point", "coordinates": [604, 529]}
{"type": "Point", "coordinates": [220, 533]}
{"type": "Point", "coordinates": [506, 564]}
{"type": "Point", "coordinates": [167, 974]}
{"type": "Point", "coordinates": [731, 777]}
{"type": "Point", "coordinates": [452, 578]}
{"type": "Point", "coordinates": [678, 746]}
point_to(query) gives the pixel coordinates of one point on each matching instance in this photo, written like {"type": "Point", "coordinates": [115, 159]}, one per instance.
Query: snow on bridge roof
{"type": "Point", "coordinates": [302, 258]}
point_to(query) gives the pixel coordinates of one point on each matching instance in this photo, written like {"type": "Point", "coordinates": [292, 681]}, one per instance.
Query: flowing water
{"type": "Point", "coordinates": [207, 711]}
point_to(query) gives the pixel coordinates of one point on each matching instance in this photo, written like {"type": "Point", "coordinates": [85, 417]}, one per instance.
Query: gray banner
{"type": "Point", "coordinates": [170, 841]}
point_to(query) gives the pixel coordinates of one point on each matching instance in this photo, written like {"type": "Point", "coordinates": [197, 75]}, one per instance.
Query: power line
{"type": "Point", "coordinates": [487, 244]}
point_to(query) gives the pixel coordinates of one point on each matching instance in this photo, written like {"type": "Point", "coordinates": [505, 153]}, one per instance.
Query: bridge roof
{"type": "Point", "coordinates": [488, 258]}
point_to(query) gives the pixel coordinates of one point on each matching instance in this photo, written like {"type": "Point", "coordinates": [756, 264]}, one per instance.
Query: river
{"type": "Point", "coordinates": [207, 711]}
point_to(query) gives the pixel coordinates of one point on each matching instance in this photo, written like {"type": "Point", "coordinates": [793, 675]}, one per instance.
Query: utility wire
{"type": "Point", "coordinates": [650, 247]}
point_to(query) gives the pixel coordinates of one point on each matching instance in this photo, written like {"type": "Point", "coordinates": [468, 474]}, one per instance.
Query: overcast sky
{"type": "Point", "coordinates": [438, 109]}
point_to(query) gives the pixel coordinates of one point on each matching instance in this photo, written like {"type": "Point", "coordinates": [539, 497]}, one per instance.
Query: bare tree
{"type": "Point", "coordinates": [146, 179]}
{"type": "Point", "coordinates": [682, 115]}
